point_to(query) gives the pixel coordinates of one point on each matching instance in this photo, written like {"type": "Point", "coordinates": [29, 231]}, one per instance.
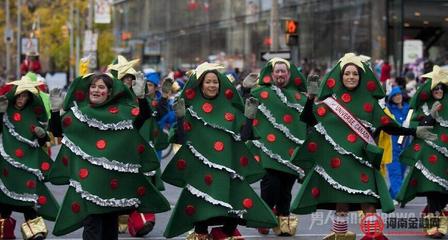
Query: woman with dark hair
{"type": "Point", "coordinates": [427, 159]}
{"type": "Point", "coordinates": [24, 164]}
{"type": "Point", "coordinates": [104, 181]}
{"type": "Point", "coordinates": [214, 167]}
{"type": "Point", "coordinates": [340, 155]}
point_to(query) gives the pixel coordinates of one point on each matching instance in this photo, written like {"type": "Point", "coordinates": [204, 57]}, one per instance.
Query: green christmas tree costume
{"type": "Point", "coordinates": [24, 164]}
{"type": "Point", "coordinates": [214, 167]}
{"type": "Point", "coordinates": [427, 159]}
{"type": "Point", "coordinates": [278, 120]}
{"type": "Point", "coordinates": [341, 166]}
{"type": "Point", "coordinates": [103, 158]}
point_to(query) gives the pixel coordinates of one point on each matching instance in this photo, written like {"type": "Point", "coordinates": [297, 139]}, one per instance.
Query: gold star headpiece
{"type": "Point", "coordinates": [351, 58]}
{"type": "Point", "coordinates": [276, 60]}
{"type": "Point", "coordinates": [123, 66]}
{"type": "Point", "coordinates": [438, 75]}
{"type": "Point", "coordinates": [26, 84]}
{"type": "Point", "coordinates": [203, 67]}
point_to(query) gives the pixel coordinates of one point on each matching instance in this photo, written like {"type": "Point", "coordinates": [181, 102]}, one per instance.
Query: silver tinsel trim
{"type": "Point", "coordinates": [430, 176]}
{"type": "Point", "coordinates": [149, 174]}
{"type": "Point", "coordinates": [279, 159]}
{"type": "Point", "coordinates": [207, 162]}
{"type": "Point", "coordinates": [25, 197]}
{"type": "Point", "coordinates": [440, 120]}
{"type": "Point", "coordinates": [278, 126]}
{"type": "Point", "coordinates": [239, 213]}
{"type": "Point", "coordinates": [440, 149]}
{"type": "Point", "coordinates": [16, 164]}
{"type": "Point", "coordinates": [12, 131]}
{"type": "Point", "coordinates": [207, 197]}
{"type": "Point", "coordinates": [367, 125]}
{"type": "Point", "coordinates": [101, 161]}
{"type": "Point", "coordinates": [320, 129]}
{"type": "Point", "coordinates": [111, 202]}
{"type": "Point", "coordinates": [321, 171]}
{"type": "Point", "coordinates": [235, 136]}
{"type": "Point", "coordinates": [283, 98]}
{"type": "Point", "coordinates": [92, 122]}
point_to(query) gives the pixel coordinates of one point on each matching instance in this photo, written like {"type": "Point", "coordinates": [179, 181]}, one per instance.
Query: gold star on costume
{"type": "Point", "coordinates": [26, 84]}
{"type": "Point", "coordinates": [438, 75]}
{"type": "Point", "coordinates": [123, 66]}
{"type": "Point", "coordinates": [207, 67]}
{"type": "Point", "coordinates": [351, 58]}
{"type": "Point", "coordinates": [276, 60]}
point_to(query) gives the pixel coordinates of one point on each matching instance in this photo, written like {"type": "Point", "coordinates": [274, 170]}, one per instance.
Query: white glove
{"type": "Point", "coordinates": [3, 104]}
{"type": "Point", "coordinates": [39, 132]}
{"type": "Point", "coordinates": [313, 85]}
{"type": "Point", "coordinates": [424, 133]}
{"type": "Point", "coordinates": [56, 99]}
{"type": "Point", "coordinates": [435, 109]}
{"type": "Point", "coordinates": [251, 107]}
{"type": "Point", "coordinates": [179, 107]}
{"type": "Point", "coordinates": [138, 86]}
{"type": "Point", "coordinates": [250, 80]}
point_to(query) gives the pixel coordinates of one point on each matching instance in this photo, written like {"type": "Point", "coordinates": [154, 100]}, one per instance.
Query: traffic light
{"type": "Point", "coordinates": [64, 31]}
{"type": "Point", "coordinates": [292, 32]}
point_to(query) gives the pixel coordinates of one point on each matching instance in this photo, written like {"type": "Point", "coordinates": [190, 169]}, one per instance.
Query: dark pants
{"type": "Point", "coordinates": [436, 202]}
{"type": "Point", "coordinates": [6, 210]}
{"type": "Point", "coordinates": [276, 189]}
{"type": "Point", "coordinates": [229, 225]}
{"type": "Point", "coordinates": [101, 227]}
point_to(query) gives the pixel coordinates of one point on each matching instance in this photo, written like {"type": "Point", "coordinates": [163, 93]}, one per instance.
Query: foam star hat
{"type": "Point", "coordinates": [122, 66]}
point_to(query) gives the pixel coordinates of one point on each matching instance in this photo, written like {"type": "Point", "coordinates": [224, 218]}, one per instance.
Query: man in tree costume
{"type": "Point", "coordinates": [280, 93]}
{"type": "Point", "coordinates": [427, 159]}
{"type": "Point", "coordinates": [340, 155]}
{"type": "Point", "coordinates": [214, 167]}
{"type": "Point", "coordinates": [123, 70]}
{"type": "Point", "coordinates": [104, 180]}
{"type": "Point", "coordinates": [24, 164]}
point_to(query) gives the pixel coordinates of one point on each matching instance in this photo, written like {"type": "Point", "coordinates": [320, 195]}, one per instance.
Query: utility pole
{"type": "Point", "coordinates": [71, 32]}
{"type": "Point", "coordinates": [7, 41]}
{"type": "Point", "coordinates": [19, 40]}
{"type": "Point", "coordinates": [274, 26]}
{"type": "Point", "coordinates": [77, 42]}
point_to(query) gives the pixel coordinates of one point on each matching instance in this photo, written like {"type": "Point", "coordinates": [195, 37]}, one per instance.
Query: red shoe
{"type": "Point", "coordinates": [263, 231]}
{"type": "Point", "coordinates": [140, 224]}
{"type": "Point", "coordinates": [7, 228]}
{"type": "Point", "coordinates": [379, 237]}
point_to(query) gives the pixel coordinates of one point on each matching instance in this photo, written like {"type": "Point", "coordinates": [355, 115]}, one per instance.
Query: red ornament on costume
{"type": "Point", "coordinates": [364, 178]}
{"type": "Point", "coordinates": [267, 79]}
{"type": "Point", "coordinates": [113, 109]}
{"type": "Point", "coordinates": [321, 111]}
{"type": "Point", "coordinates": [65, 160]}
{"type": "Point", "coordinates": [417, 147]}
{"type": "Point", "coordinates": [444, 138]}
{"type": "Point", "coordinates": [315, 192]}
{"type": "Point", "coordinates": [42, 200]}
{"type": "Point", "coordinates": [19, 153]}
{"type": "Point", "coordinates": [271, 137]}
{"type": "Point", "coordinates": [424, 96]}
{"type": "Point", "coordinates": [32, 128]}
{"type": "Point", "coordinates": [38, 110]}
{"type": "Point", "coordinates": [432, 159]}
{"type": "Point", "coordinates": [346, 98]}
{"type": "Point", "coordinates": [154, 103]}
{"type": "Point", "coordinates": [83, 173]}
{"type": "Point", "coordinates": [384, 120]}
{"type": "Point", "coordinates": [67, 121]}
{"type": "Point", "coordinates": [255, 122]}
{"type": "Point", "coordinates": [413, 182]}
{"type": "Point", "coordinates": [114, 183]}
{"type": "Point", "coordinates": [244, 161]}
{"type": "Point", "coordinates": [141, 191]}
{"type": "Point", "coordinates": [135, 111]}
{"type": "Point", "coordinates": [248, 203]}
{"type": "Point", "coordinates": [190, 94]}
{"type": "Point", "coordinates": [31, 184]}
{"type": "Point", "coordinates": [207, 107]}
{"type": "Point", "coordinates": [264, 94]}
{"type": "Point", "coordinates": [297, 96]}
{"type": "Point", "coordinates": [229, 117]}
{"type": "Point", "coordinates": [287, 118]}
{"type": "Point", "coordinates": [218, 146]}
{"type": "Point", "coordinates": [335, 162]}
{"type": "Point", "coordinates": [76, 207]}
{"type": "Point", "coordinates": [79, 95]}
{"type": "Point", "coordinates": [297, 81]}
{"type": "Point", "coordinates": [371, 85]}
{"type": "Point", "coordinates": [190, 210]}
{"type": "Point", "coordinates": [17, 117]}
{"type": "Point", "coordinates": [187, 126]}
{"type": "Point", "coordinates": [101, 144]}
{"type": "Point", "coordinates": [140, 148]}
{"type": "Point", "coordinates": [290, 151]}
{"type": "Point", "coordinates": [312, 147]}
{"type": "Point", "coordinates": [331, 83]}
{"type": "Point", "coordinates": [181, 164]}
{"type": "Point", "coordinates": [229, 94]}
{"type": "Point", "coordinates": [351, 137]}
{"type": "Point", "coordinates": [257, 158]}
{"type": "Point", "coordinates": [5, 172]}
{"type": "Point", "coordinates": [368, 107]}
{"type": "Point", "coordinates": [208, 179]}
{"type": "Point", "coordinates": [45, 166]}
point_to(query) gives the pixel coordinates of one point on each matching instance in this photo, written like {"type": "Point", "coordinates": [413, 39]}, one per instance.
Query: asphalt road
{"type": "Point", "coordinates": [311, 227]}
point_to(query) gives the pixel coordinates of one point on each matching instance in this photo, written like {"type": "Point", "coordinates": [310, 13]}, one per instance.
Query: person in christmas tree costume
{"type": "Point", "coordinates": [427, 159]}
{"type": "Point", "coordinates": [24, 164]}
{"type": "Point", "coordinates": [104, 181]}
{"type": "Point", "coordinates": [214, 167]}
{"type": "Point", "coordinates": [340, 155]}
{"type": "Point", "coordinates": [123, 70]}
{"type": "Point", "coordinates": [280, 93]}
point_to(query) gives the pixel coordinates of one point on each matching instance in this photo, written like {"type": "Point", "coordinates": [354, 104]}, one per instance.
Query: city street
{"type": "Point", "coordinates": [311, 227]}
